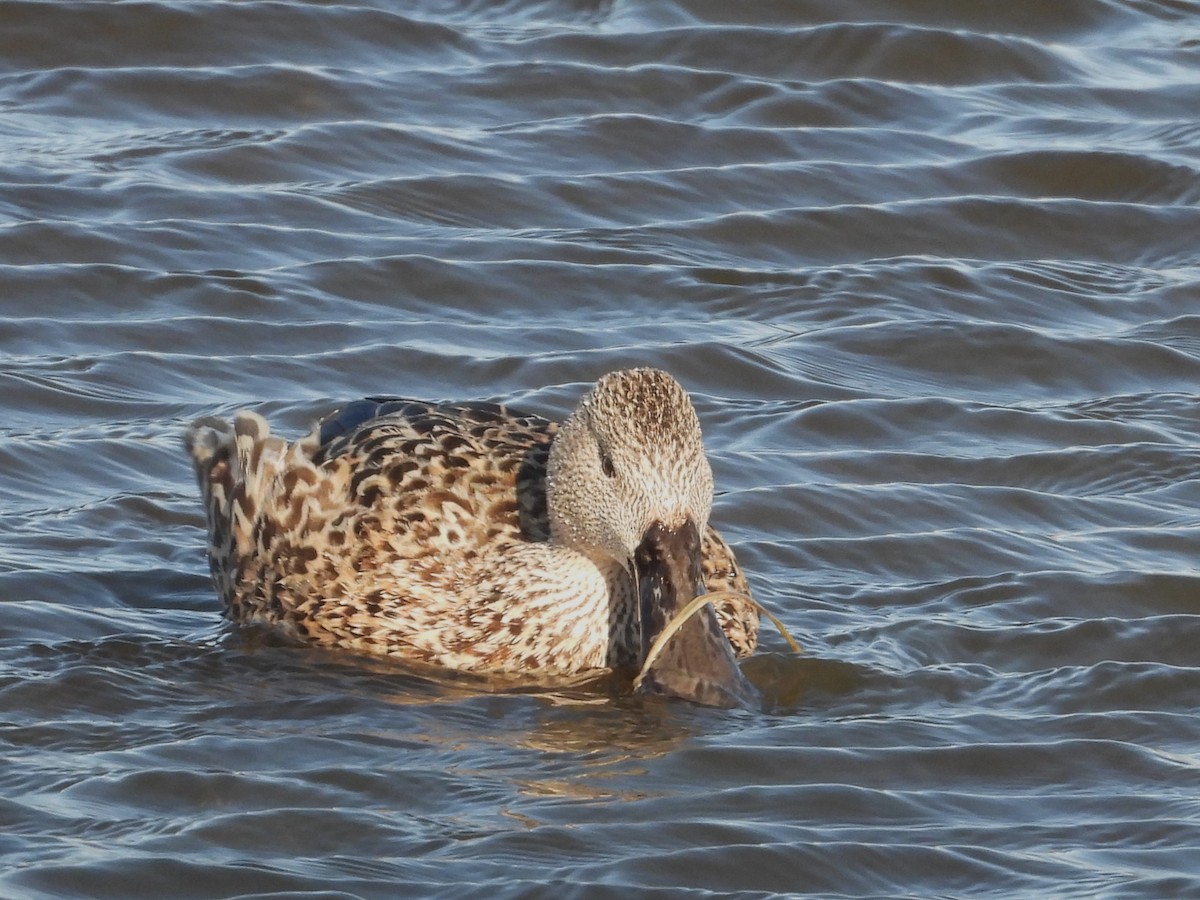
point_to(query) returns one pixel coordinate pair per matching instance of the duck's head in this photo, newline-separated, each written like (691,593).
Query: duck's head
(628,480)
(629,465)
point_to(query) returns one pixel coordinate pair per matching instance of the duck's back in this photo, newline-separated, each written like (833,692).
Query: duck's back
(445,475)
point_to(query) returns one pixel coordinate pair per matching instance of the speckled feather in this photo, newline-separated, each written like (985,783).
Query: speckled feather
(422,531)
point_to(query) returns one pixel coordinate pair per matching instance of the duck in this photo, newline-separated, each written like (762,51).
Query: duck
(474,537)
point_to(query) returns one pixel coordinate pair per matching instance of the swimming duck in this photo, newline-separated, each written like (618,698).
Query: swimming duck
(475,537)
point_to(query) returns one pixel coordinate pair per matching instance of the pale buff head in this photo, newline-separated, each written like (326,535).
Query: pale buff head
(629,456)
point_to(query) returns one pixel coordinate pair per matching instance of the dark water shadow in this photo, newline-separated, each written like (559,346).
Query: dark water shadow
(789,683)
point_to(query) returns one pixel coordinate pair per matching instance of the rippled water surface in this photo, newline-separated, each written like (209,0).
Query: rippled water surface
(931,270)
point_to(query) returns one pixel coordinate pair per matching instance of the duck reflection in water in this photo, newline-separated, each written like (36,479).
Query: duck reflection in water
(476,538)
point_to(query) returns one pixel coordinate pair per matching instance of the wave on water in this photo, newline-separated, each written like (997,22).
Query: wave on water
(930,273)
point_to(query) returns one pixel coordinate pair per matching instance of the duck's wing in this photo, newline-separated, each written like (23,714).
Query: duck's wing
(411,454)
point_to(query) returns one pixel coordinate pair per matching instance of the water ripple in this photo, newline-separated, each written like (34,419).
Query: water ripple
(929,271)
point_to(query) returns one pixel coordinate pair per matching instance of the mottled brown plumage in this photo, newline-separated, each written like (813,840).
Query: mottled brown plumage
(468,536)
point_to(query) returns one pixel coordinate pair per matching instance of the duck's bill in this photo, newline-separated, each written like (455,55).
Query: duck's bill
(697,663)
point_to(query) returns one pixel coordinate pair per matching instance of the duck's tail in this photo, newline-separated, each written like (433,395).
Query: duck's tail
(236,464)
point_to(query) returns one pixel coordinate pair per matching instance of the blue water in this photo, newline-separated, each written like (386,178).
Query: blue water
(931,272)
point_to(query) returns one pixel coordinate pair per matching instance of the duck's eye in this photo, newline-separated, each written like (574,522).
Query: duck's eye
(606,465)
